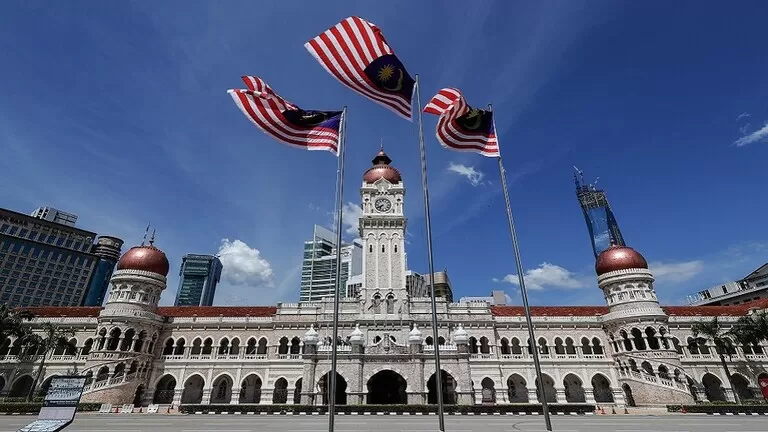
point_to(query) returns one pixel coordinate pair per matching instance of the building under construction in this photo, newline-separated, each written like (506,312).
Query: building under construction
(601,222)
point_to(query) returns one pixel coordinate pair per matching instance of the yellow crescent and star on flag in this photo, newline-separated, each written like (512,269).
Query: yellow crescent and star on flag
(386,73)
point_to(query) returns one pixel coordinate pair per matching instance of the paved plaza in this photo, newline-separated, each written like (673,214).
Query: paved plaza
(210,423)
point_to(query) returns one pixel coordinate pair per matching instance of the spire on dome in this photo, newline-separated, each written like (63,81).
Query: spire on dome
(382,169)
(152,239)
(146,232)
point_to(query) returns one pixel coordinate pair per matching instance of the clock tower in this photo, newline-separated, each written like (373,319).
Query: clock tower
(382,229)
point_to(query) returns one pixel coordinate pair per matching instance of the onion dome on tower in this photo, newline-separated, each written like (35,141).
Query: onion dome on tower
(619,258)
(146,258)
(356,337)
(414,337)
(382,169)
(311,337)
(460,335)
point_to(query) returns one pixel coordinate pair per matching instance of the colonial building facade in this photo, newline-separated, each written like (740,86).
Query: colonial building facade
(631,351)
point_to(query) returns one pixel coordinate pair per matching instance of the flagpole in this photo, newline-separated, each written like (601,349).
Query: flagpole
(435,336)
(521,279)
(340,204)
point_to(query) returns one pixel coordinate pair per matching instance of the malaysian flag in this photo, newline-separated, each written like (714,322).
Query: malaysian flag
(356,53)
(461,127)
(284,121)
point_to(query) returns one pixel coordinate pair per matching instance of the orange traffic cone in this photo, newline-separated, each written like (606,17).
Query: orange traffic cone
(683,410)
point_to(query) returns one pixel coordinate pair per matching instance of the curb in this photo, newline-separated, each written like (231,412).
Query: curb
(379,413)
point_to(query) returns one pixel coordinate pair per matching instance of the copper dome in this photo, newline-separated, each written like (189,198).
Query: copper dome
(619,258)
(147,258)
(382,169)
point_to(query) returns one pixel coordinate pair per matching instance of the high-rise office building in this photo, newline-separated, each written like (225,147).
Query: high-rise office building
(199,276)
(108,250)
(43,263)
(418,285)
(318,269)
(54,215)
(601,223)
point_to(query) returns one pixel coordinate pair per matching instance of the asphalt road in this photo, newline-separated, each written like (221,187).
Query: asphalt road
(246,423)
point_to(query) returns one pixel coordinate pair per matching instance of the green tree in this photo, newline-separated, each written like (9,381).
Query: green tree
(44,342)
(750,330)
(12,322)
(712,330)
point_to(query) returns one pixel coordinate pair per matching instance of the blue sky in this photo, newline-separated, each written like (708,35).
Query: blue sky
(118,112)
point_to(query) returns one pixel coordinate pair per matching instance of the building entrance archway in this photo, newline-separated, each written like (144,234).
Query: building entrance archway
(341,389)
(386,388)
(628,396)
(449,389)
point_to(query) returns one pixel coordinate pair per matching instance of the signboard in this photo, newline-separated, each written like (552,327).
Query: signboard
(65,391)
(59,406)
(763,383)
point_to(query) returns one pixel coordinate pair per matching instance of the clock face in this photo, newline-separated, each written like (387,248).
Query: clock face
(383,204)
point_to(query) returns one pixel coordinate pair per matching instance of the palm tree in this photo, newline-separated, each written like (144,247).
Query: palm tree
(750,330)
(11,321)
(46,341)
(714,331)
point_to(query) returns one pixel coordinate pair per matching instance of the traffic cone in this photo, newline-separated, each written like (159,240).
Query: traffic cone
(602,411)
(613,410)
(626,411)
(140,409)
(683,410)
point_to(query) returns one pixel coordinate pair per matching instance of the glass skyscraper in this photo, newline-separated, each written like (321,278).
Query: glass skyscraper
(43,263)
(318,269)
(601,223)
(199,276)
(108,250)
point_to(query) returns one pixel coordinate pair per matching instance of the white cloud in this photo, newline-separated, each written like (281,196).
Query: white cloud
(547,275)
(744,115)
(758,135)
(676,272)
(244,265)
(472,175)
(350,218)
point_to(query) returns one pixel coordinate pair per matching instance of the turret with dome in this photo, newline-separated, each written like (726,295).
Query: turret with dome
(619,258)
(382,169)
(146,258)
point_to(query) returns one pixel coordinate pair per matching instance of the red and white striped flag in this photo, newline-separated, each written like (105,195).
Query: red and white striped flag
(284,121)
(355,52)
(461,127)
